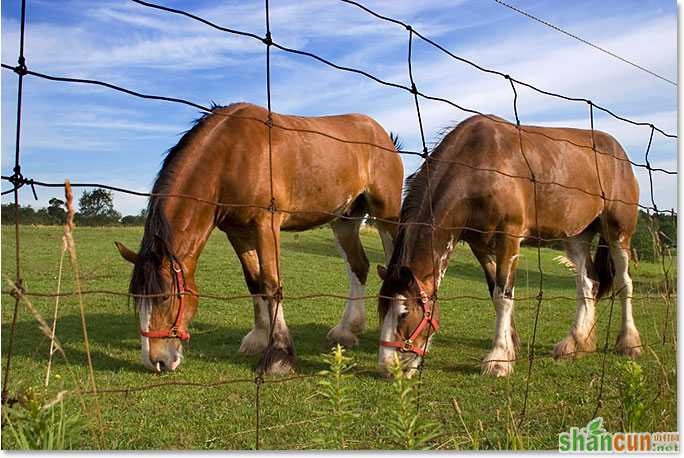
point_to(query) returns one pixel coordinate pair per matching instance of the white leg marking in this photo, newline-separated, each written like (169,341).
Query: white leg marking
(353,322)
(499,362)
(256,340)
(629,341)
(281,334)
(280,324)
(582,336)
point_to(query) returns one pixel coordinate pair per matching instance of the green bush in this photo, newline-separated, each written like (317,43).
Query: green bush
(633,396)
(406,428)
(33,424)
(338,407)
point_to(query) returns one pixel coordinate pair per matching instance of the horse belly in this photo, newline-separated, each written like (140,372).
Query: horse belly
(330,207)
(566,215)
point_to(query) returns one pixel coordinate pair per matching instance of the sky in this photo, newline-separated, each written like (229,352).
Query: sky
(90,134)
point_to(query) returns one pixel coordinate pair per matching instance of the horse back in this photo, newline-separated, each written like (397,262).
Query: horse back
(316,164)
(549,181)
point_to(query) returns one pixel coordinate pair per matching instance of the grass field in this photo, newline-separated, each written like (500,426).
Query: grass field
(562,394)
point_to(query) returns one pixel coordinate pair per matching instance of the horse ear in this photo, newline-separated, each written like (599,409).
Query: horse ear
(382,272)
(129,255)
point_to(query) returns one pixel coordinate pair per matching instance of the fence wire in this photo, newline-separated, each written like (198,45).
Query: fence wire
(17,180)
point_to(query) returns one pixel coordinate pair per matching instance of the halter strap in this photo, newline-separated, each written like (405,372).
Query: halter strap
(409,345)
(176,331)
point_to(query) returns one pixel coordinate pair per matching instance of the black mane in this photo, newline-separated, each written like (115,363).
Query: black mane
(157,238)
(414,200)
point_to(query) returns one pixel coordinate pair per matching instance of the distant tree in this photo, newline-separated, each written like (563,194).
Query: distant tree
(56,211)
(98,202)
(7,214)
(27,215)
(652,231)
(135,220)
(96,208)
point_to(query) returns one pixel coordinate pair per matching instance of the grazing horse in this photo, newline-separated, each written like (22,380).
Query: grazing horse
(480,183)
(325,170)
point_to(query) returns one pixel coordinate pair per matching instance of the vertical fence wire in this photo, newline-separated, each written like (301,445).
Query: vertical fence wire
(426,157)
(540,293)
(599,396)
(666,284)
(273,316)
(18,287)
(659,249)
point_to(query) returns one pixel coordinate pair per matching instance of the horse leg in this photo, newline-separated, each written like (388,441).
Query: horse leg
(381,205)
(487,260)
(279,356)
(353,321)
(387,233)
(499,362)
(582,336)
(256,340)
(628,341)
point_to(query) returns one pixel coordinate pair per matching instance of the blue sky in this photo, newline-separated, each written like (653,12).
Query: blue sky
(90,134)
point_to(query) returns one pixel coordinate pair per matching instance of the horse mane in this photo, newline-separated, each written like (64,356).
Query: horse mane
(157,237)
(416,188)
(396,141)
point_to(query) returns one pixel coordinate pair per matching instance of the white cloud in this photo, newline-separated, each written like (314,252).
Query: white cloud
(122,41)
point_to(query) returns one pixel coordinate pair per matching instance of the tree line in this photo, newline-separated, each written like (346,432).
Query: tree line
(96,208)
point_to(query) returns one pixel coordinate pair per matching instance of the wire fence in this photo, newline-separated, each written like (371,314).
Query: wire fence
(90,390)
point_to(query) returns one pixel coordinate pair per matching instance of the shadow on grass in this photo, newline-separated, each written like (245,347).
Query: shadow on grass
(115,345)
(324,247)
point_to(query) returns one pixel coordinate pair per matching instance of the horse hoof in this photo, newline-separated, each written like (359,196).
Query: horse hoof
(629,343)
(566,348)
(342,336)
(276,361)
(498,364)
(572,348)
(497,369)
(254,342)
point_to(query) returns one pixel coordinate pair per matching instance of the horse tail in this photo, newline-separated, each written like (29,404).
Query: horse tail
(604,267)
(398,145)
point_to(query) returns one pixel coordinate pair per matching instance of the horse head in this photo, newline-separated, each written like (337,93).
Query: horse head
(408,318)
(166,301)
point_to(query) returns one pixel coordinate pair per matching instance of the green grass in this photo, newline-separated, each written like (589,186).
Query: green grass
(562,394)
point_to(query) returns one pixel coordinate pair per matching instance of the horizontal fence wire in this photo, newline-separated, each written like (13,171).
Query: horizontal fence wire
(105,292)
(267,207)
(17,180)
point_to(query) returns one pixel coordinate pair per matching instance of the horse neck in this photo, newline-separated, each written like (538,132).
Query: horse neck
(189,209)
(426,253)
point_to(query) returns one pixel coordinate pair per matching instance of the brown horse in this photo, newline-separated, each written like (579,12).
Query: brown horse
(482,191)
(323,170)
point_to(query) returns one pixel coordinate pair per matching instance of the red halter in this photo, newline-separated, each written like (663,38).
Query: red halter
(176,331)
(408,345)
